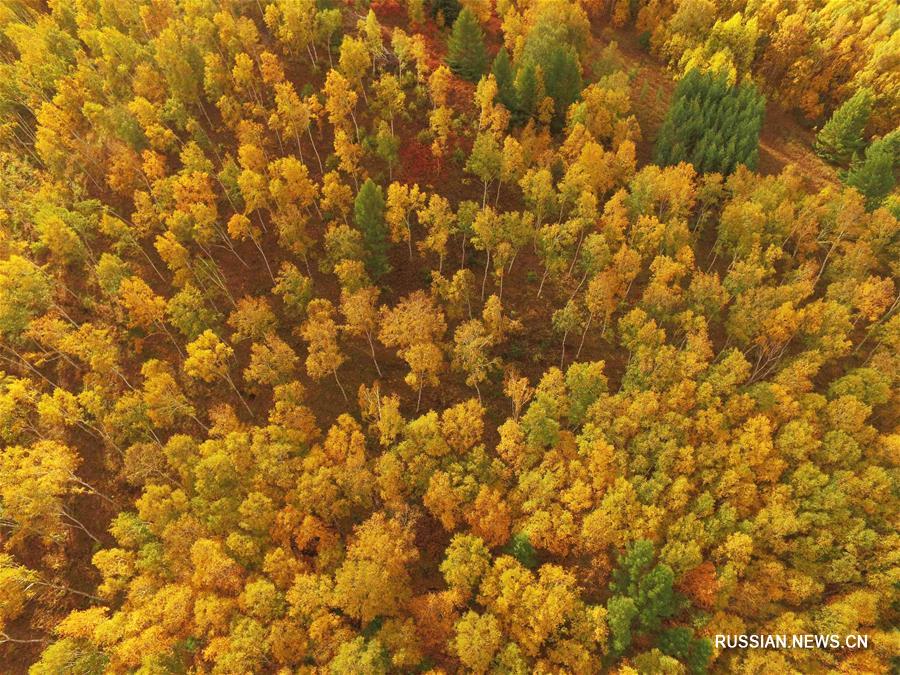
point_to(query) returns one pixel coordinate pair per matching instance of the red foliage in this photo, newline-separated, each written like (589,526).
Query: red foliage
(388,11)
(494,34)
(417,164)
(461,93)
(435,43)
(700,585)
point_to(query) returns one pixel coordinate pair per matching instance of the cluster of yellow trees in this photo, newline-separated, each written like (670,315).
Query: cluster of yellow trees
(315,357)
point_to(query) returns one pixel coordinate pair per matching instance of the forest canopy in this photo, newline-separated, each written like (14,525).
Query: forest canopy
(438,336)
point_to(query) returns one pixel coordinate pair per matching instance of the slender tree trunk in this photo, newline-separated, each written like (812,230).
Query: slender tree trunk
(372,349)
(315,150)
(90,488)
(562,358)
(297,139)
(583,335)
(487,265)
(337,379)
(171,339)
(577,250)
(226,240)
(872,327)
(265,260)
(580,284)
(543,279)
(20,641)
(419,399)
(825,261)
(78,524)
(144,253)
(60,587)
(409,239)
(355,126)
(238,393)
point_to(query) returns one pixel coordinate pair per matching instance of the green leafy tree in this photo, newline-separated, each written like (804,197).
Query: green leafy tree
(24,293)
(642,595)
(681,643)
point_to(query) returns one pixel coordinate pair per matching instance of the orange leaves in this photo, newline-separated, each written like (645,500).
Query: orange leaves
(374,579)
(143,307)
(320,332)
(701,585)
(478,637)
(339,99)
(489,517)
(207,357)
(414,326)
(213,569)
(34,483)
(443,501)
(462,425)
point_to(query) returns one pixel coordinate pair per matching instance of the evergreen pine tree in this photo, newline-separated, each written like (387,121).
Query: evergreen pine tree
(526,93)
(680,643)
(562,81)
(447,9)
(711,124)
(842,135)
(466,54)
(875,175)
(503,73)
(368,214)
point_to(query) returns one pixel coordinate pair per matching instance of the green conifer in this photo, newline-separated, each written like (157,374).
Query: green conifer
(503,73)
(526,93)
(711,124)
(368,214)
(562,82)
(875,175)
(466,54)
(445,11)
(842,135)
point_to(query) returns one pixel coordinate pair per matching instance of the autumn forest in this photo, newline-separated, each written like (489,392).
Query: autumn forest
(448,336)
